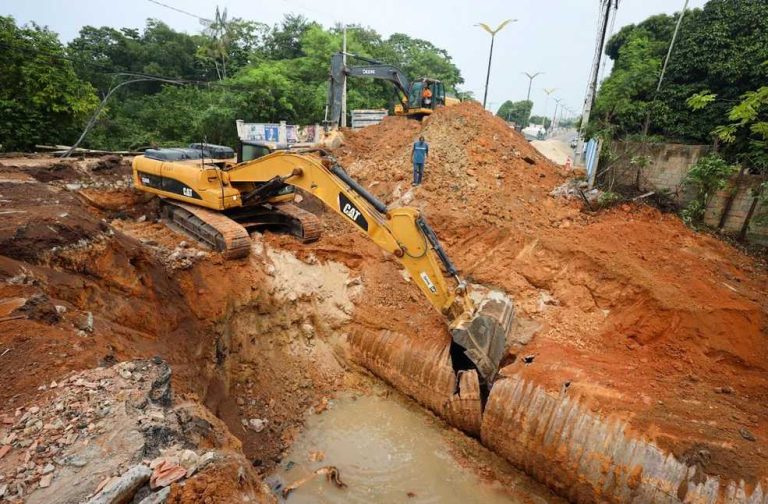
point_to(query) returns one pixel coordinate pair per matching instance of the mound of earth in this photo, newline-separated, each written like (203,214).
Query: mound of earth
(643,318)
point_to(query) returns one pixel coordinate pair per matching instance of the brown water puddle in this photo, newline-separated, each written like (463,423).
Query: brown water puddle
(388,449)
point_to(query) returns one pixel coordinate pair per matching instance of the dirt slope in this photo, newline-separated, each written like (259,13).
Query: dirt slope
(640,316)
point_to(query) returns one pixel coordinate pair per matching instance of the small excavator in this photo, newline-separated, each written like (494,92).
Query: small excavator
(217,198)
(410,93)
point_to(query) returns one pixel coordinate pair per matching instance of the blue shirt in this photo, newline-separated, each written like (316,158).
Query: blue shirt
(420,151)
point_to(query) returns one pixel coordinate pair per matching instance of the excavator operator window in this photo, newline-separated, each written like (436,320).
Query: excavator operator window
(438,93)
(414,100)
(249,152)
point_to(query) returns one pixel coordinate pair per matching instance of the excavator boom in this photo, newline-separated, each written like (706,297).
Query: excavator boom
(478,326)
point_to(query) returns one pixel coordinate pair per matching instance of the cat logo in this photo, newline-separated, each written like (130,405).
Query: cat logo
(428,283)
(351,212)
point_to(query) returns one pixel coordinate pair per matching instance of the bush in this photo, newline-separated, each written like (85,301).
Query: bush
(709,175)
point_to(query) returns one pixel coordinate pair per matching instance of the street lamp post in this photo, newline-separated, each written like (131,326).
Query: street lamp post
(554,117)
(548,92)
(530,81)
(490,54)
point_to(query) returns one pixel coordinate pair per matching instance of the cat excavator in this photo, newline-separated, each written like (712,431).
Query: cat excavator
(217,197)
(410,92)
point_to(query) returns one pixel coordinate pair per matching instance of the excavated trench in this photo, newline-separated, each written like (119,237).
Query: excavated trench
(282,333)
(291,329)
(551,437)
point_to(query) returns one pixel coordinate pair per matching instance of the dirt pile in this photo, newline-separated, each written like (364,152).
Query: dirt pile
(639,317)
(478,168)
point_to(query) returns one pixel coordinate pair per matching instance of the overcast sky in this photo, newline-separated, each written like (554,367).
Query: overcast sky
(552,36)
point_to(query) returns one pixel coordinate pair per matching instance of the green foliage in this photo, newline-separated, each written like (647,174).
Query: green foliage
(748,126)
(41,97)
(709,175)
(518,111)
(701,100)
(546,121)
(626,95)
(608,199)
(719,51)
(420,58)
(255,73)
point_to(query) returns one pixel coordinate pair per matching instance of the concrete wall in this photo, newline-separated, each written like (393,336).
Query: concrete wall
(656,167)
(662,168)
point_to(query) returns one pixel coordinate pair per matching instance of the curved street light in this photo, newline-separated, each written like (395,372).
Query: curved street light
(530,81)
(490,55)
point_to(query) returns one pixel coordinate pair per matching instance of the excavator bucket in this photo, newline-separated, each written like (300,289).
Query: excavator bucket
(483,333)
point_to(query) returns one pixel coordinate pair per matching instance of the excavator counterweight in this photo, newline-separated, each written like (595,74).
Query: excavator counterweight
(216,200)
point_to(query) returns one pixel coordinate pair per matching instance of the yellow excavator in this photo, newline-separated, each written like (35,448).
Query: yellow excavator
(218,197)
(412,102)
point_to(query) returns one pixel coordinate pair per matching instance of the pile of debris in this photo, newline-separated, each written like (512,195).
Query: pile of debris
(103,434)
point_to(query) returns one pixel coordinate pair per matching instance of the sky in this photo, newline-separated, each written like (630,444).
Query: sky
(556,37)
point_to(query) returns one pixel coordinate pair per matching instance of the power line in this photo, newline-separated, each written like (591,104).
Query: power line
(200,18)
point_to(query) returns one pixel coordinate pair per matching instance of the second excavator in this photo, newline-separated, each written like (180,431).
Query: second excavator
(212,196)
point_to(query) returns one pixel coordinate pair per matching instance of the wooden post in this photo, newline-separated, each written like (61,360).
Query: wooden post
(731,197)
(748,218)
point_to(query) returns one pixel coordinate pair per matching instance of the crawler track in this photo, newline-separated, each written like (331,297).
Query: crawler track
(213,228)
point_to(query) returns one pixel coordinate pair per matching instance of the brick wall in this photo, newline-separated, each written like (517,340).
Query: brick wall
(662,168)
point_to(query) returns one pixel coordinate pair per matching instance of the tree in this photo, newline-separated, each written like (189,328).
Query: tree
(284,42)
(546,121)
(746,132)
(517,112)
(719,50)
(626,95)
(41,97)
(420,58)
(229,44)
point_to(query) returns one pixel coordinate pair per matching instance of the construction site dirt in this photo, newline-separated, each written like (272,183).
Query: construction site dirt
(638,367)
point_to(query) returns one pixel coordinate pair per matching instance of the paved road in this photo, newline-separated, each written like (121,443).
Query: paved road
(557,148)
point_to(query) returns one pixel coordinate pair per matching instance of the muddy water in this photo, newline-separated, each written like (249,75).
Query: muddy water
(390,450)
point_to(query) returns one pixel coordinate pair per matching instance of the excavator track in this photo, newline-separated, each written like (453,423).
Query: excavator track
(304,225)
(212,228)
(285,217)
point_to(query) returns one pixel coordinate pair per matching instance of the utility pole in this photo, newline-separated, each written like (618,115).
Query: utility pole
(490,54)
(647,124)
(344,88)
(605,16)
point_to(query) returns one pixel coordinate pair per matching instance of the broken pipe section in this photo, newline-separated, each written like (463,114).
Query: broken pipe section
(552,437)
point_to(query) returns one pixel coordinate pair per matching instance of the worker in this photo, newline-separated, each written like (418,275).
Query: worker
(419,155)
(426,96)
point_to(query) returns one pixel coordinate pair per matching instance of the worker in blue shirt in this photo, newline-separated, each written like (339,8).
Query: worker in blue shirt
(419,155)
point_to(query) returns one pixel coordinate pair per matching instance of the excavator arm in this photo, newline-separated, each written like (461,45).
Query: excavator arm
(398,231)
(373,70)
(479,327)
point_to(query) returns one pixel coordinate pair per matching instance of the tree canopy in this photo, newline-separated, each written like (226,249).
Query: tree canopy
(517,112)
(233,69)
(41,96)
(719,53)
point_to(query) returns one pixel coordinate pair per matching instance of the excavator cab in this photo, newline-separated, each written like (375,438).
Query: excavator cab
(418,102)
